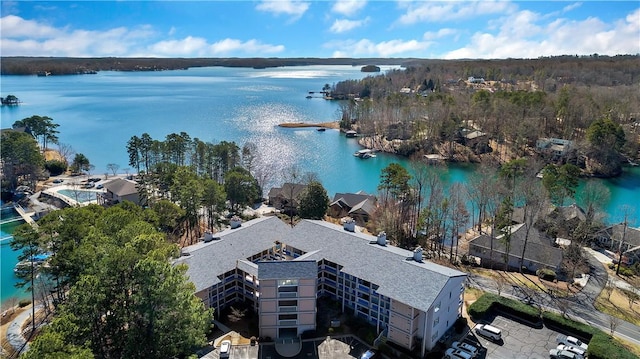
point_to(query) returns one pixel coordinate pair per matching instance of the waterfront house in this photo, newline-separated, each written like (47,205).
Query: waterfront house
(281,271)
(553,146)
(287,197)
(621,238)
(359,206)
(539,253)
(118,190)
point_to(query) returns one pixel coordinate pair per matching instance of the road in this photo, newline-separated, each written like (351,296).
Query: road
(580,306)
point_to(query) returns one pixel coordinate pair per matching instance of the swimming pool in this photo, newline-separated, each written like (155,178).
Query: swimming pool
(79,195)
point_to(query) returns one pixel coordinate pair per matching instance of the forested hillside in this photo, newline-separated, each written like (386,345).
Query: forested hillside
(499,109)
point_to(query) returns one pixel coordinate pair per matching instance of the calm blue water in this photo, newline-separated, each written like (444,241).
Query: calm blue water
(98,114)
(8,257)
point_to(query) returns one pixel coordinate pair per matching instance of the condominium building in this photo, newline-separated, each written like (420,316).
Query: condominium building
(282,270)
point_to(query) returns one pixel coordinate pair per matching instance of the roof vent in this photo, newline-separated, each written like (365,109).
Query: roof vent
(382,238)
(349,224)
(235,222)
(417,254)
(208,236)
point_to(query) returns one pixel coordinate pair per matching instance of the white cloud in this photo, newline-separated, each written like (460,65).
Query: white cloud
(29,38)
(368,48)
(344,25)
(348,7)
(16,27)
(172,31)
(444,32)
(251,47)
(189,46)
(571,7)
(22,37)
(288,7)
(199,47)
(453,10)
(524,35)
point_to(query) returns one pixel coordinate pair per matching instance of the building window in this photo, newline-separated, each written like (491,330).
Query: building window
(287,282)
(436,321)
(437,308)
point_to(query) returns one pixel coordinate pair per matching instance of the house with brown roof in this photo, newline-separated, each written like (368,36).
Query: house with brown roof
(119,190)
(287,197)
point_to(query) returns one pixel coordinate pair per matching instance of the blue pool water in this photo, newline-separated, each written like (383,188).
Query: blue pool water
(79,195)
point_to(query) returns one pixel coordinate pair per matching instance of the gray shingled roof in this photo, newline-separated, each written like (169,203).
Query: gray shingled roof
(393,269)
(539,247)
(207,261)
(121,187)
(395,272)
(287,269)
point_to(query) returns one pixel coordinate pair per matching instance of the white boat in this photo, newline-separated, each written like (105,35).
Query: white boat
(365,153)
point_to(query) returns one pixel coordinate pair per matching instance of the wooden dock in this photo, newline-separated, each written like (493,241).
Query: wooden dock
(27,217)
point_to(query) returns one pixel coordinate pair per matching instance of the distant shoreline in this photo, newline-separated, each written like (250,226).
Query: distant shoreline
(331,125)
(52,66)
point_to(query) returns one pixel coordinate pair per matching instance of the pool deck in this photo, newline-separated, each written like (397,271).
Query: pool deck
(53,192)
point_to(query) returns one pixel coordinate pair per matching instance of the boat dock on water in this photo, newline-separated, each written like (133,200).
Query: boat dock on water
(365,153)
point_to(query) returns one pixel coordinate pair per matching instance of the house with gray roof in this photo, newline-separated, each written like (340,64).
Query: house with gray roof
(281,270)
(621,237)
(119,190)
(359,206)
(539,252)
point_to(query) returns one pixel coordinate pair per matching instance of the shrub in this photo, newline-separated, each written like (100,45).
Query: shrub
(626,271)
(546,274)
(55,167)
(23,303)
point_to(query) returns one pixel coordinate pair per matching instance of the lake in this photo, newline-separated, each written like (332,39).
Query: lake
(99,113)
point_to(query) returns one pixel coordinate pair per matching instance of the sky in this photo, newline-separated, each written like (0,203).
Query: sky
(453,29)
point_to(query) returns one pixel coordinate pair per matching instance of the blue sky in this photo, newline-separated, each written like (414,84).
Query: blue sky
(345,28)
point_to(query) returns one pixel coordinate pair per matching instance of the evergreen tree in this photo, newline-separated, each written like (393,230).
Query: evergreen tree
(313,201)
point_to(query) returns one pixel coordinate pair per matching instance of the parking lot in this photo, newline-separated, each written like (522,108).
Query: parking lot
(518,341)
(346,347)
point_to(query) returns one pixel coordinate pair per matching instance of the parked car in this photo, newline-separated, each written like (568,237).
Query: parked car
(452,353)
(489,332)
(89,185)
(570,348)
(573,341)
(562,354)
(100,186)
(225,348)
(465,347)
(58,180)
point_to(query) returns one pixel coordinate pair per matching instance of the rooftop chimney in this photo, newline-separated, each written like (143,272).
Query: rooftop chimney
(382,238)
(235,222)
(417,254)
(349,224)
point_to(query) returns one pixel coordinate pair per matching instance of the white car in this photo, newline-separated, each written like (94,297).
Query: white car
(570,348)
(562,354)
(465,347)
(489,331)
(573,341)
(225,348)
(452,353)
